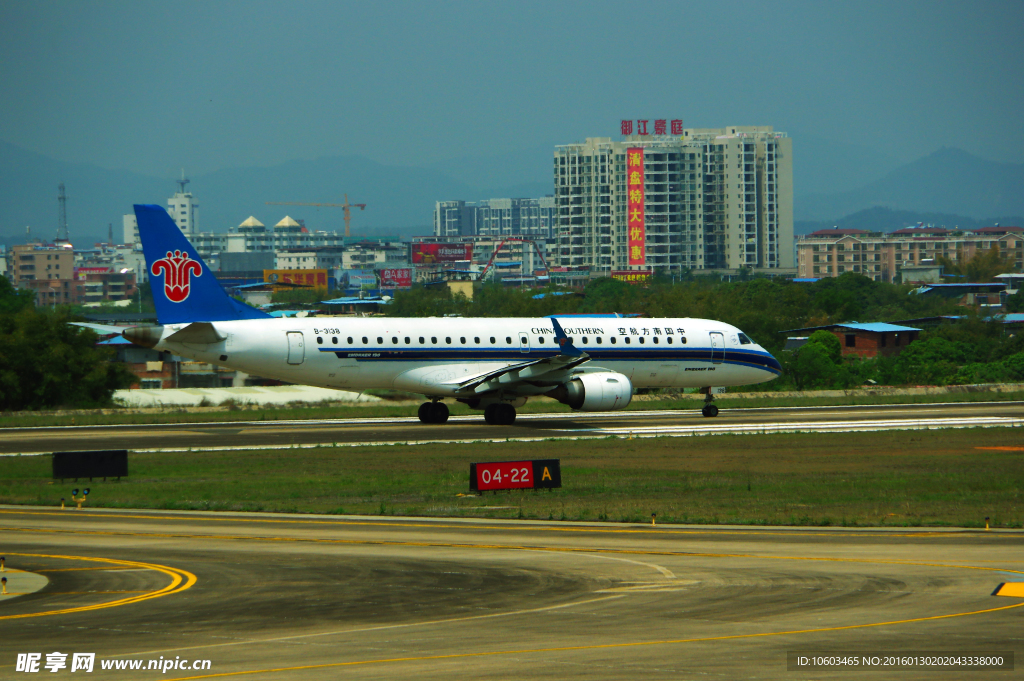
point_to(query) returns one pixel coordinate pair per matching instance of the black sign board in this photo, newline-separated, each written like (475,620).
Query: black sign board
(104,463)
(496,475)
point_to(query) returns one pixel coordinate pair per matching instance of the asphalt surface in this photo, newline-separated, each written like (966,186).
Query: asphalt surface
(306,597)
(528,426)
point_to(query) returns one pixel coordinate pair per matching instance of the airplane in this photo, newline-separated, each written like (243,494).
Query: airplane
(589,362)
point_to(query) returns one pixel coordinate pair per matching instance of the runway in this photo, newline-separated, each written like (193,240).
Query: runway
(311,597)
(355,432)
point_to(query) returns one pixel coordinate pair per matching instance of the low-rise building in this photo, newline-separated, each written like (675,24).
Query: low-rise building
(863,340)
(882,256)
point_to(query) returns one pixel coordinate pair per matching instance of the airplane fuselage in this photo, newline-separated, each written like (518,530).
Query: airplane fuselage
(430,355)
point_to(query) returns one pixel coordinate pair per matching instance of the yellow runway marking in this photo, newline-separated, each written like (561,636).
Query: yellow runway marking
(600,646)
(180,580)
(544,528)
(497,547)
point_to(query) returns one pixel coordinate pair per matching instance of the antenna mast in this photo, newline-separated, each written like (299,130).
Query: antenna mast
(62,218)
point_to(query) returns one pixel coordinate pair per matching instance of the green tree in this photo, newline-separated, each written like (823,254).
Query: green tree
(44,362)
(12,300)
(981,268)
(829,343)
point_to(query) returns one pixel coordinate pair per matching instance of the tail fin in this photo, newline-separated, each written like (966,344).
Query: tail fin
(184,288)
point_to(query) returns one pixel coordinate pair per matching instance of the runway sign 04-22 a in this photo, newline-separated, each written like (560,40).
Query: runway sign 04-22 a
(515,475)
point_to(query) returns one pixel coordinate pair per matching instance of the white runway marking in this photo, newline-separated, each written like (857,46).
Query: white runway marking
(686,430)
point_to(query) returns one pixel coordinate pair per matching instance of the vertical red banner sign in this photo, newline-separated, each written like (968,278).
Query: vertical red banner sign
(635,205)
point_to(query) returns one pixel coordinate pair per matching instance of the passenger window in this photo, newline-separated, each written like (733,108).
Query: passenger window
(408,340)
(523,340)
(334,339)
(492,340)
(422,342)
(626,339)
(380,340)
(655,340)
(614,341)
(448,340)
(463,340)
(350,340)
(683,340)
(365,341)
(476,339)
(508,339)
(642,340)
(669,340)
(433,339)
(319,340)
(541,340)
(600,340)
(585,341)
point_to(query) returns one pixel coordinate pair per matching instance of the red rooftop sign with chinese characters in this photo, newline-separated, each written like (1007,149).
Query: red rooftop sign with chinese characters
(660,126)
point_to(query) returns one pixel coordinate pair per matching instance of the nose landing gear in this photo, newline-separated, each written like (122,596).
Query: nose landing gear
(433,412)
(710,409)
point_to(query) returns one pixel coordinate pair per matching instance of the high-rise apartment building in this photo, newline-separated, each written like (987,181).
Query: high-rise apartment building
(708,199)
(182,209)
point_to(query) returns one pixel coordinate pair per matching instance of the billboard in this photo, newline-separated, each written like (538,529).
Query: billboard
(396,278)
(632,276)
(308,278)
(425,254)
(635,205)
(361,279)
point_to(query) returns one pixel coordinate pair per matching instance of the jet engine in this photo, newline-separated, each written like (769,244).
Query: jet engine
(598,391)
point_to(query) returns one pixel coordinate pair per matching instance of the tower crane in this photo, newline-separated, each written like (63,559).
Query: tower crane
(514,239)
(347,206)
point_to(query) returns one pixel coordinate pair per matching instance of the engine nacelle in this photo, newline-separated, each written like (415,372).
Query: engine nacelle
(599,391)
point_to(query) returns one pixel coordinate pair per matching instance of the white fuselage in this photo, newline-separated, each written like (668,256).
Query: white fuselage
(426,355)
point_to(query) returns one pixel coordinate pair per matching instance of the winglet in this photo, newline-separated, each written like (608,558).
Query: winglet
(184,288)
(565,345)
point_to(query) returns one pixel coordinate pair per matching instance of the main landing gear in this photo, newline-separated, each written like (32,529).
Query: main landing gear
(433,412)
(500,414)
(710,409)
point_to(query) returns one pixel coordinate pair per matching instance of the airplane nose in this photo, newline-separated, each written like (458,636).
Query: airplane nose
(146,336)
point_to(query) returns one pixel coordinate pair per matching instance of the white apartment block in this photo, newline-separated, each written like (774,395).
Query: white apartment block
(713,199)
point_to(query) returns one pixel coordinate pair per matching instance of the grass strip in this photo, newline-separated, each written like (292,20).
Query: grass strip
(384,409)
(889,478)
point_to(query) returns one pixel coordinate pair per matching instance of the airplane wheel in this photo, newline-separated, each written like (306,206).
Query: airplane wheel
(709,410)
(506,414)
(500,414)
(433,412)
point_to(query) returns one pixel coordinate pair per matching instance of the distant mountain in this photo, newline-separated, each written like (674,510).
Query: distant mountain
(947,181)
(879,219)
(400,200)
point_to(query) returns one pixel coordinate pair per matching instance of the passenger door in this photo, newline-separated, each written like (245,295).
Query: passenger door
(296,347)
(717,347)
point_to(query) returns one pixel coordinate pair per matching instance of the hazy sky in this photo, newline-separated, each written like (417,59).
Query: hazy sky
(153,87)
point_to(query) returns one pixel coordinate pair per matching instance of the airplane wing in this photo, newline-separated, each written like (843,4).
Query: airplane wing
(532,371)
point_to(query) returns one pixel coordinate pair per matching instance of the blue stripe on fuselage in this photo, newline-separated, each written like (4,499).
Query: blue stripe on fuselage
(756,360)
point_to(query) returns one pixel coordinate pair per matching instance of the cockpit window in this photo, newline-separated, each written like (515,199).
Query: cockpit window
(744,340)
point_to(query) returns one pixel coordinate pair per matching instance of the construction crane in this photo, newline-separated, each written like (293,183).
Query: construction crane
(347,206)
(515,239)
